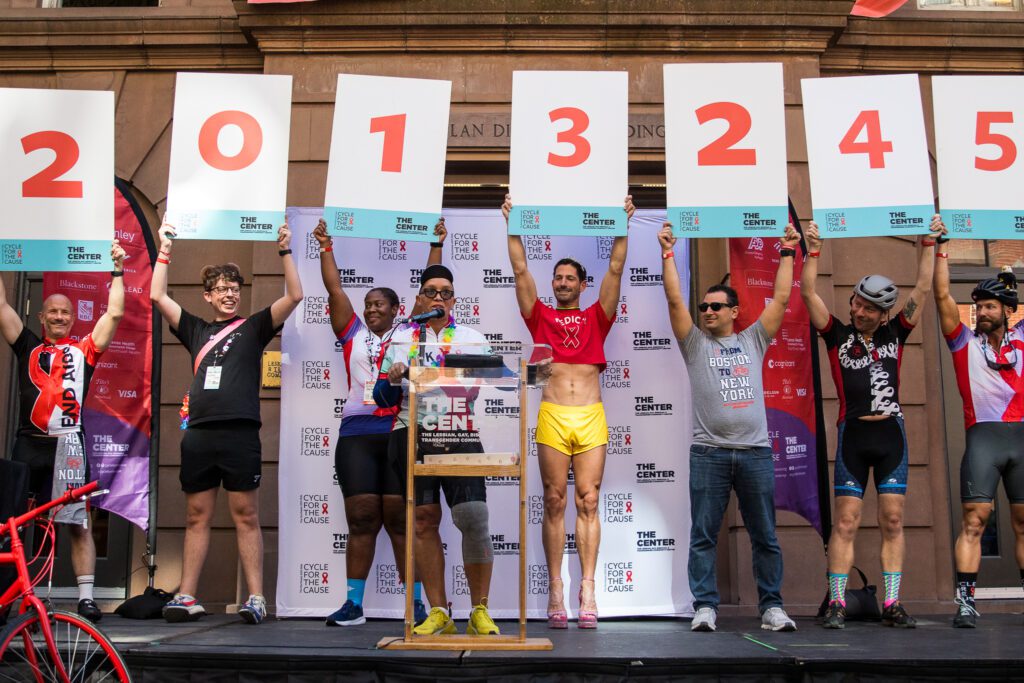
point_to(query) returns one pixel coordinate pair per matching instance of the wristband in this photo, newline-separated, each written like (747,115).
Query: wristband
(927,243)
(813,254)
(117,273)
(324,250)
(667,254)
(941,255)
(786,251)
(284,252)
(165,253)
(164,261)
(436,245)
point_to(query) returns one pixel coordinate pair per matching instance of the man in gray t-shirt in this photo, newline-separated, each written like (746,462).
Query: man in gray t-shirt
(731,449)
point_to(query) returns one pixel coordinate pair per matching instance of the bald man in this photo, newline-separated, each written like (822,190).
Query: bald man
(53,377)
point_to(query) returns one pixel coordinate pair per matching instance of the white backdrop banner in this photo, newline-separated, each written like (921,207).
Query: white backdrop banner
(645,508)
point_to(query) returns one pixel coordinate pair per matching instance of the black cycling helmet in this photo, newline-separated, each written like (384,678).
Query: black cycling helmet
(1002,287)
(878,290)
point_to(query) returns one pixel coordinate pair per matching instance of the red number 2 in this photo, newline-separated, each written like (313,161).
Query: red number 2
(46,183)
(721,152)
(874,146)
(393,128)
(984,136)
(573,136)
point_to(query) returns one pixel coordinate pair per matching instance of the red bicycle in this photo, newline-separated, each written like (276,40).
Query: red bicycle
(41,644)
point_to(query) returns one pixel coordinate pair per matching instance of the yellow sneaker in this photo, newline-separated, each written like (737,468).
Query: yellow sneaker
(480,622)
(438,622)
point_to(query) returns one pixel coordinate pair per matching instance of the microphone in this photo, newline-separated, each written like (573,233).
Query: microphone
(429,315)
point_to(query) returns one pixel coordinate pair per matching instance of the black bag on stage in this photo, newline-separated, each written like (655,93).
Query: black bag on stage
(861,603)
(149,605)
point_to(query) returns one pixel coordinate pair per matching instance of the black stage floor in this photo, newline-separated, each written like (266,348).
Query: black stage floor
(221,648)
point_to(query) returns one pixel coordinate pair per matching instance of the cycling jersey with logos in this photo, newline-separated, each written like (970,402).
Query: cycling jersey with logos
(53,378)
(989,395)
(575,335)
(361,349)
(867,372)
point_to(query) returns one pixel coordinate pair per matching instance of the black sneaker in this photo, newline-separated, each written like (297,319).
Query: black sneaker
(90,610)
(835,615)
(966,616)
(895,615)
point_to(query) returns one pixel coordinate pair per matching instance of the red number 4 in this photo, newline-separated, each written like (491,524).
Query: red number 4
(873,145)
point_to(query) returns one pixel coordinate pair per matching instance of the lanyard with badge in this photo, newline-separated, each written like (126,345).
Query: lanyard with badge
(373,345)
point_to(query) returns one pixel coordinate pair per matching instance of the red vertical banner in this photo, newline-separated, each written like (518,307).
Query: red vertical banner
(118,411)
(788,374)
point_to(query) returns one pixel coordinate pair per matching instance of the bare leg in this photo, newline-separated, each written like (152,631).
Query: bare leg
(588,468)
(844,532)
(554,474)
(890,522)
(393,512)
(83,550)
(429,554)
(199,512)
(363,514)
(244,506)
(968,543)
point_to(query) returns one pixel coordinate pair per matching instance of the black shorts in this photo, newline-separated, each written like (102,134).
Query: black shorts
(864,445)
(221,452)
(38,453)
(428,489)
(362,466)
(994,450)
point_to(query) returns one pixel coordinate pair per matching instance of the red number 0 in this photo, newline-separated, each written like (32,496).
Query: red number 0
(984,136)
(45,183)
(720,152)
(874,146)
(252,140)
(393,128)
(573,136)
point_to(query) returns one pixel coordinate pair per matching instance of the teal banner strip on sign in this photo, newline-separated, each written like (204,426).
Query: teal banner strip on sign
(379,224)
(258,226)
(574,221)
(874,221)
(728,221)
(984,224)
(55,255)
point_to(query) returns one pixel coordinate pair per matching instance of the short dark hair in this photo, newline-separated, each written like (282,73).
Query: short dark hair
(581,272)
(229,272)
(387,293)
(731,297)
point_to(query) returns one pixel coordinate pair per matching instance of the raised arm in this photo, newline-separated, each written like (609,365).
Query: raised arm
(338,303)
(949,314)
(925,270)
(678,315)
(433,258)
(167,306)
(771,316)
(106,326)
(283,307)
(611,283)
(10,322)
(809,279)
(526,288)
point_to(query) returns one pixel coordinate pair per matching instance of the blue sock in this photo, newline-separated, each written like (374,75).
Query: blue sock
(356,588)
(417,591)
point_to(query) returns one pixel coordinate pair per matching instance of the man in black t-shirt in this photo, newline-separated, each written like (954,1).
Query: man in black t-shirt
(221,417)
(865,358)
(53,377)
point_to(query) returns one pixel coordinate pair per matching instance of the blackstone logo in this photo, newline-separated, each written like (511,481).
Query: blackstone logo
(535,509)
(538,247)
(496,406)
(495,278)
(620,439)
(392,250)
(315,311)
(316,442)
(647,405)
(537,579)
(616,375)
(570,544)
(644,340)
(388,581)
(618,577)
(350,278)
(316,374)
(460,584)
(617,508)
(502,547)
(339,543)
(648,473)
(642,277)
(648,542)
(467,310)
(314,508)
(465,246)
(314,578)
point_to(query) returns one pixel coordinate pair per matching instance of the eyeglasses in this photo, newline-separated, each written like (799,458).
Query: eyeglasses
(221,290)
(992,361)
(432,293)
(715,306)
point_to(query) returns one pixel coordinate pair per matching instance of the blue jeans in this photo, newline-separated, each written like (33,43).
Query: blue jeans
(714,472)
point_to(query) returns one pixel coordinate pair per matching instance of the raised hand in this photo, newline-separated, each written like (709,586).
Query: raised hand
(320,233)
(284,236)
(666,239)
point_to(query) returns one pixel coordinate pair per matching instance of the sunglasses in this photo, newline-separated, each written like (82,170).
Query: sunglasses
(993,364)
(715,306)
(432,293)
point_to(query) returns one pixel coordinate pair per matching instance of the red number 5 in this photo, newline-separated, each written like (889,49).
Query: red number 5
(984,136)
(720,152)
(573,136)
(46,183)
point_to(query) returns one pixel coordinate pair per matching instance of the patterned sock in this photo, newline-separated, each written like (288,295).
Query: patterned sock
(892,587)
(417,591)
(965,584)
(85,584)
(356,588)
(837,588)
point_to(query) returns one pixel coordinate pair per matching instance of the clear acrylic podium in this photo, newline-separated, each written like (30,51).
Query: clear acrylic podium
(468,414)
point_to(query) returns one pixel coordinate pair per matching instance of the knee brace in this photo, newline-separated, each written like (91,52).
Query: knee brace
(471,519)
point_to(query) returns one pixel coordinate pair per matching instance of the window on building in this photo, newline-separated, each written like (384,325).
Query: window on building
(991,253)
(995,5)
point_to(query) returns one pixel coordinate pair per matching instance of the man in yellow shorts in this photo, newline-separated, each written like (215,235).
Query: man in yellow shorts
(571,426)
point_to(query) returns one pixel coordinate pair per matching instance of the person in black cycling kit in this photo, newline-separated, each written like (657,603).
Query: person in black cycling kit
(989,361)
(865,359)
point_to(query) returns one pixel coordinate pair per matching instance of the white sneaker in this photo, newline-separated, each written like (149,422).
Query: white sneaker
(704,619)
(776,619)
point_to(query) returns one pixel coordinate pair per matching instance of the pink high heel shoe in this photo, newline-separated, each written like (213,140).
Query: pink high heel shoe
(587,618)
(557,618)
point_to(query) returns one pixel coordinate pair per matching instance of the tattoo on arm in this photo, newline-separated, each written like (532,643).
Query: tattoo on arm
(908,310)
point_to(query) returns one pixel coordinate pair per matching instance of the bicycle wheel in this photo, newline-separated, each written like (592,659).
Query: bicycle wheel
(87,655)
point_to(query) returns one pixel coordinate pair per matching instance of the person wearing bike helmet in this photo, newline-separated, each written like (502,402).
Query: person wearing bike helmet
(865,360)
(989,364)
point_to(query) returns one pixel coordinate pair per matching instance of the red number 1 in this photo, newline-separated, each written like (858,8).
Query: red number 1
(573,136)
(393,128)
(874,146)
(46,183)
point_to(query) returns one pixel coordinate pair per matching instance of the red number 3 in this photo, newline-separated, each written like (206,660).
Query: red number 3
(46,183)
(573,136)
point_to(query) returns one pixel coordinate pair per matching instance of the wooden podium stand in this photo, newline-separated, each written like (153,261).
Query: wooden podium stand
(422,379)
